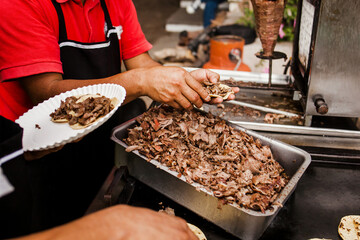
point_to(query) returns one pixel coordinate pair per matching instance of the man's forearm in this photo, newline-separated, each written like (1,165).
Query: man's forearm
(43,86)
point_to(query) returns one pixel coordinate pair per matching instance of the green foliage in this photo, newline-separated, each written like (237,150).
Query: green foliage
(289,20)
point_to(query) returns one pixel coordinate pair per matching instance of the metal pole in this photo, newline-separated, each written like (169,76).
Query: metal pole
(270,72)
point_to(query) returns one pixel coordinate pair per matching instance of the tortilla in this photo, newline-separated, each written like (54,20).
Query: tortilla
(82,98)
(61,120)
(349,227)
(197,232)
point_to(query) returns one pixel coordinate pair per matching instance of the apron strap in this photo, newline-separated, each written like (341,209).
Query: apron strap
(62,27)
(106,14)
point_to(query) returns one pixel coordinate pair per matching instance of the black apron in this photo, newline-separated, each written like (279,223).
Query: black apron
(89,60)
(63,184)
(15,207)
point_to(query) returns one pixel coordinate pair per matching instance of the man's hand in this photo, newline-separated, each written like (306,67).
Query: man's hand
(179,88)
(174,86)
(205,74)
(121,222)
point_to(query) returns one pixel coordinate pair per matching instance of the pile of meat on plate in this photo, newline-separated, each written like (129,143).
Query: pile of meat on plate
(234,166)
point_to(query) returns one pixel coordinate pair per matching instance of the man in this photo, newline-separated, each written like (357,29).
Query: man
(51,46)
(32,31)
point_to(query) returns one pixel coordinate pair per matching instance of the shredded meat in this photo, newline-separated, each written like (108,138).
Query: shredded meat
(272,117)
(83,112)
(236,167)
(218,89)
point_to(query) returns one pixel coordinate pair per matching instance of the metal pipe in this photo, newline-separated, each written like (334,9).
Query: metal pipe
(262,78)
(264,109)
(289,129)
(237,64)
(270,72)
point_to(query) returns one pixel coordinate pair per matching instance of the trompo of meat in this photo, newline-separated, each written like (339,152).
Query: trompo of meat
(269,15)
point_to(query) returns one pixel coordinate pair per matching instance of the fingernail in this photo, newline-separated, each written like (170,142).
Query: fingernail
(207,98)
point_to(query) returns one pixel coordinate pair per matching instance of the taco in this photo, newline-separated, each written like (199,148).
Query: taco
(84,110)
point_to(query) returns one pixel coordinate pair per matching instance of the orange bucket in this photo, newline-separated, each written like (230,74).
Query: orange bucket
(225,51)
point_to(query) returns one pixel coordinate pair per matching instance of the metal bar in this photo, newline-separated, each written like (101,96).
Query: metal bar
(270,72)
(335,162)
(323,155)
(262,78)
(243,86)
(264,109)
(237,64)
(299,129)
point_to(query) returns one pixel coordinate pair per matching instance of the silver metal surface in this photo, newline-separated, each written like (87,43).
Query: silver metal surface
(270,72)
(262,78)
(241,222)
(307,136)
(298,129)
(264,109)
(316,141)
(335,73)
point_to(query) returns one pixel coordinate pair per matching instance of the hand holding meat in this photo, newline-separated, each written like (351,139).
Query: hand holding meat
(179,88)
(229,92)
(121,222)
(219,90)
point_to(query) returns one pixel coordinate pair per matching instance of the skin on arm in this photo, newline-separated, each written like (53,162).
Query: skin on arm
(120,222)
(171,85)
(145,77)
(200,75)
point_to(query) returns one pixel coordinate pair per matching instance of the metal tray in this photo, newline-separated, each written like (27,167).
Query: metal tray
(241,222)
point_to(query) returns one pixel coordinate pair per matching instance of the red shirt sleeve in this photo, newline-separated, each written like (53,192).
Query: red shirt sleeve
(28,42)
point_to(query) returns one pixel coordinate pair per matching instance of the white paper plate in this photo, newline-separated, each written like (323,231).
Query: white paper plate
(49,134)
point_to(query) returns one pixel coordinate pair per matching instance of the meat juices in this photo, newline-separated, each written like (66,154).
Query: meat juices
(231,164)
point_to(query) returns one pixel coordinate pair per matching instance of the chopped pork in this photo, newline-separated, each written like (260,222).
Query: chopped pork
(236,167)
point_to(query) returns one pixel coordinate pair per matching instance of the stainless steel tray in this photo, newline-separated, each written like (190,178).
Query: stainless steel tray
(241,222)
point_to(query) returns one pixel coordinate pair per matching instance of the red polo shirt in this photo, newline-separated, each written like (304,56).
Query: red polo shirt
(29,32)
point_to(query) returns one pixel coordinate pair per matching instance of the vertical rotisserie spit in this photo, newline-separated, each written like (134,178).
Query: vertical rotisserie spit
(268,16)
